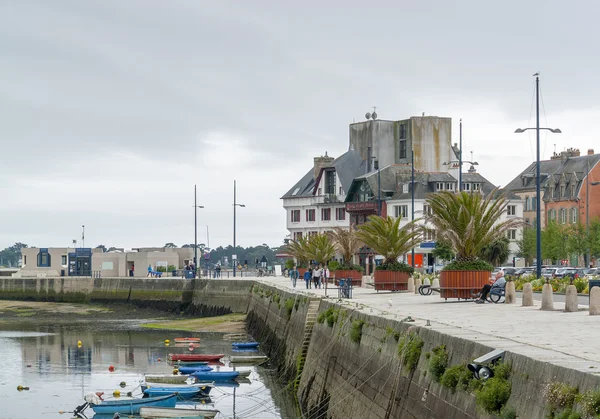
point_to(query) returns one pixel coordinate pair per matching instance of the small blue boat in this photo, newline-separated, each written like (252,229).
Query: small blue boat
(245,344)
(204,388)
(133,406)
(215,375)
(190,370)
(235,349)
(182,392)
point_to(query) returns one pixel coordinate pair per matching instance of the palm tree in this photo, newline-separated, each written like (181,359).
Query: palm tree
(298,249)
(386,238)
(170,245)
(496,252)
(320,248)
(346,242)
(468,221)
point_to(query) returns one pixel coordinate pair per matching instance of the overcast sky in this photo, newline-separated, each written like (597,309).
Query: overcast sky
(111,110)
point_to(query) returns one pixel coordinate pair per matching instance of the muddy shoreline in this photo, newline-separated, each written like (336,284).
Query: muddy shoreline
(47,313)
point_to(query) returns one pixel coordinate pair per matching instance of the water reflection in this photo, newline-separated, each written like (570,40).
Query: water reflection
(59,372)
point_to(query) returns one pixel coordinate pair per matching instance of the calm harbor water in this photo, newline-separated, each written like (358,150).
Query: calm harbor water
(58,373)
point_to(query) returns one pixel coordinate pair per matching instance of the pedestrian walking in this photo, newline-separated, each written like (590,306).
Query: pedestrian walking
(316,274)
(294,275)
(149,270)
(308,277)
(326,275)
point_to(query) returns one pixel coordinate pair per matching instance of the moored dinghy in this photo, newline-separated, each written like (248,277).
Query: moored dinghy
(132,406)
(195,357)
(167,378)
(215,375)
(161,412)
(245,344)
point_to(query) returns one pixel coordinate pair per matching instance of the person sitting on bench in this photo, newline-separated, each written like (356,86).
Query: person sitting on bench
(499,282)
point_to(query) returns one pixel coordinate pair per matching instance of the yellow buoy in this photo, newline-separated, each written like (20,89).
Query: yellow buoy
(79,343)
(21,388)
(167,341)
(175,371)
(116,393)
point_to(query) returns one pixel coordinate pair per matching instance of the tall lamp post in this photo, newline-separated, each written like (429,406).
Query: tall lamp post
(587,213)
(376,164)
(460,160)
(196,206)
(235,204)
(412,199)
(538,230)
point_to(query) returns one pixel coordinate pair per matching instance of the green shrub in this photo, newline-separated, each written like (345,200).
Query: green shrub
(409,349)
(349,267)
(333,265)
(452,376)
(502,370)
(580,284)
(356,331)
(332,318)
(396,267)
(475,265)
(508,412)
(560,395)
(590,402)
(494,394)
(289,306)
(289,264)
(568,414)
(438,362)
(324,315)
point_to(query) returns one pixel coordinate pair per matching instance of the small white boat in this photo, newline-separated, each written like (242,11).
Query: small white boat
(161,412)
(168,378)
(247,359)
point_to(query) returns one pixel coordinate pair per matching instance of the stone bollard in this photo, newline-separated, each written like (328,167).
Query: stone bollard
(595,301)
(411,284)
(527,295)
(571,299)
(426,281)
(417,285)
(435,283)
(547,300)
(510,293)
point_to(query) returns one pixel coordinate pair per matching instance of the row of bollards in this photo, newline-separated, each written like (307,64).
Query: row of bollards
(571,303)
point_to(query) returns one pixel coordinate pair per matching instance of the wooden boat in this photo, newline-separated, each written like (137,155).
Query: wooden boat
(204,388)
(166,378)
(188,363)
(215,375)
(161,412)
(186,340)
(190,370)
(182,392)
(133,406)
(245,344)
(247,359)
(195,357)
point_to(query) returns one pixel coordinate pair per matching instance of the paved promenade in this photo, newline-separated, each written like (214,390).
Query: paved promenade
(571,340)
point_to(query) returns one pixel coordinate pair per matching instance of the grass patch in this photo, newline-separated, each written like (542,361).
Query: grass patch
(289,307)
(455,376)
(560,396)
(198,324)
(409,349)
(356,331)
(495,392)
(438,361)
(590,402)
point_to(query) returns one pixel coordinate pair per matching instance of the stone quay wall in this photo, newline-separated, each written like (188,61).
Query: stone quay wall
(348,365)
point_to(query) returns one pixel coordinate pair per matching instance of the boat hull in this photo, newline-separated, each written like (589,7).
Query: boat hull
(204,388)
(133,406)
(181,392)
(189,370)
(216,375)
(245,344)
(195,357)
(187,340)
(161,412)
(166,379)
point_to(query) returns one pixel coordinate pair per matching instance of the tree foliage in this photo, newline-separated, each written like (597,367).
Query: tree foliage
(443,251)
(387,239)
(527,245)
(346,242)
(468,221)
(496,252)
(320,248)
(11,255)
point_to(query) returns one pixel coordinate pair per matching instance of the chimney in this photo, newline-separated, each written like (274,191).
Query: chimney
(590,151)
(321,162)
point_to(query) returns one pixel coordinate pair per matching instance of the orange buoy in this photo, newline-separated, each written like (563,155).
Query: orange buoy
(111,368)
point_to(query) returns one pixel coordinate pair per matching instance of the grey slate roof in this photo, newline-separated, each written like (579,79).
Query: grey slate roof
(347,166)
(571,171)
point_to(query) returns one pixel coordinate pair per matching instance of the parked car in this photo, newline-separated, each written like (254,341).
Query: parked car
(508,270)
(549,272)
(565,273)
(592,272)
(525,272)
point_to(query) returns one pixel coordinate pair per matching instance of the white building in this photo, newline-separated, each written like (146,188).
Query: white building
(315,204)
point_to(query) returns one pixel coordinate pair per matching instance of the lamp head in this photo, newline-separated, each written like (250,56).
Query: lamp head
(556,131)
(242,205)
(519,131)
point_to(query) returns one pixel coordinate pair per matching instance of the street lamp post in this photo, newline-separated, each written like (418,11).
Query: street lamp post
(196,206)
(538,232)
(412,198)
(587,214)
(235,204)
(460,160)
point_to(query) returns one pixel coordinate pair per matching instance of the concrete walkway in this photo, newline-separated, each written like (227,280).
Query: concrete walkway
(571,340)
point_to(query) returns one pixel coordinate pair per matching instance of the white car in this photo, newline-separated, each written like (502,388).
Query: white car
(592,272)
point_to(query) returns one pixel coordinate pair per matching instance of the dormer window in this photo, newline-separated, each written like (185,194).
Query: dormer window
(466,186)
(449,186)
(573,190)
(551,192)
(476,186)
(562,191)
(439,186)
(405,188)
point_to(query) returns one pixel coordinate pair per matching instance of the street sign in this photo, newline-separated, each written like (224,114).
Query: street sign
(233,257)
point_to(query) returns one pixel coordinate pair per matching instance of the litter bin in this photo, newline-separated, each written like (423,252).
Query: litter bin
(592,283)
(189,274)
(173,273)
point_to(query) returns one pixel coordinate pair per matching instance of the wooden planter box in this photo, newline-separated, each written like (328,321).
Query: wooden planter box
(343,274)
(301,272)
(462,284)
(390,281)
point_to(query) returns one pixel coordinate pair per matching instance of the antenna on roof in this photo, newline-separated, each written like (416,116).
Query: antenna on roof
(374,114)
(423,114)
(471,156)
